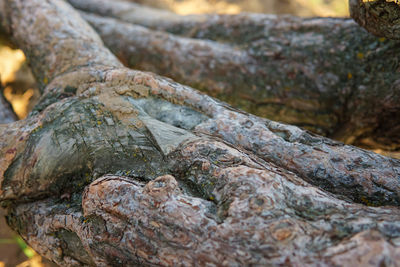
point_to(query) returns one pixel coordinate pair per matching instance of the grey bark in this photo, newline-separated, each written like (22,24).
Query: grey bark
(326,75)
(121,167)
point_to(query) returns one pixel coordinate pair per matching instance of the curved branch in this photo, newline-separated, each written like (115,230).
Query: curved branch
(122,167)
(50,43)
(380,17)
(299,71)
(137,14)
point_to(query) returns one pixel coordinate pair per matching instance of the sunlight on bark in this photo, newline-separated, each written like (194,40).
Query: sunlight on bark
(203,6)
(302,7)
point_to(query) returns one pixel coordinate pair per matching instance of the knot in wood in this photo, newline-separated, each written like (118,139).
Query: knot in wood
(162,187)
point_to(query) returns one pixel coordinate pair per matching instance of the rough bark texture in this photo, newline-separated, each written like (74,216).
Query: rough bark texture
(327,75)
(120,167)
(380,17)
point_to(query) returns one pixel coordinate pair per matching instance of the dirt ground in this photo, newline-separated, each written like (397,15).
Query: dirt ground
(10,254)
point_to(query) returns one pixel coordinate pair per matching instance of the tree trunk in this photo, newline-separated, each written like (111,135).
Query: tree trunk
(326,75)
(121,167)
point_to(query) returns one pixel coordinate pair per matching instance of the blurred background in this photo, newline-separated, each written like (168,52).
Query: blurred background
(21,91)
(295,7)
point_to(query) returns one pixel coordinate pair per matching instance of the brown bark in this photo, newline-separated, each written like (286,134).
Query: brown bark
(121,167)
(326,75)
(380,17)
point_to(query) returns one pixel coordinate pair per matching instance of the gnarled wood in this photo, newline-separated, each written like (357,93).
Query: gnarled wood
(314,73)
(380,17)
(122,167)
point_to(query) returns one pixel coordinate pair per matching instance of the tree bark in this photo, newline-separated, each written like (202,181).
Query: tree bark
(326,75)
(380,17)
(122,167)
